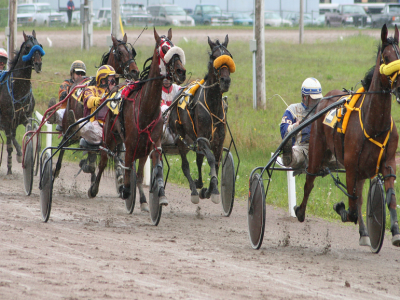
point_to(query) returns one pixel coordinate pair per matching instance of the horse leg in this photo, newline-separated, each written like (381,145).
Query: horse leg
(362,229)
(388,173)
(94,187)
(199,162)
(9,151)
(139,182)
(158,167)
(212,190)
(17,148)
(194,196)
(300,211)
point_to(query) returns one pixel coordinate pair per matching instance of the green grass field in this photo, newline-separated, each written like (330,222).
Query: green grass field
(339,64)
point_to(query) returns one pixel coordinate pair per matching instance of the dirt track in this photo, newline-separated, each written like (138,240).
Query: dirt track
(91,249)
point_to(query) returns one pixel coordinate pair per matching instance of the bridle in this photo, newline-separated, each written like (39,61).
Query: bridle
(391,70)
(125,65)
(217,69)
(166,61)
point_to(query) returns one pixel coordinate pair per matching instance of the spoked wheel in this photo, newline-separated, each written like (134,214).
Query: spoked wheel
(46,192)
(130,202)
(256,211)
(376,214)
(28,166)
(227,182)
(155,207)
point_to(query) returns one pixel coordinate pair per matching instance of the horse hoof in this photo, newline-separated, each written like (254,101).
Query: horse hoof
(202,193)
(19,158)
(300,218)
(195,199)
(163,201)
(144,207)
(338,207)
(124,192)
(91,194)
(364,241)
(396,240)
(215,198)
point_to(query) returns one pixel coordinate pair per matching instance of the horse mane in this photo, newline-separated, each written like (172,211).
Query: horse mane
(366,82)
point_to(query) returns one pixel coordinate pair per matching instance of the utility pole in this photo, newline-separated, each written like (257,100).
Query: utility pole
(85,26)
(11,31)
(115,18)
(259,36)
(301,22)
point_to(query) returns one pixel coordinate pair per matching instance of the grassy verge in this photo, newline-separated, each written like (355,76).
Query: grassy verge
(339,64)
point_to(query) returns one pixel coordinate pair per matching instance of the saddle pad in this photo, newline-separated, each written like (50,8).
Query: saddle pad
(188,93)
(114,105)
(331,118)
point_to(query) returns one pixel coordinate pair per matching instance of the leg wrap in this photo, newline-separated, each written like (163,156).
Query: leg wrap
(394,225)
(389,193)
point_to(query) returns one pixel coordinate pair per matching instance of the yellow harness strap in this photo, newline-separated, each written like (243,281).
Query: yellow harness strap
(382,146)
(349,109)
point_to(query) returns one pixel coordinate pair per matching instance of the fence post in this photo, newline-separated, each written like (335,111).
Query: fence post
(49,127)
(291,183)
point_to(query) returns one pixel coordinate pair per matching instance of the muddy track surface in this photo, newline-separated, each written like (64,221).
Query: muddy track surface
(92,249)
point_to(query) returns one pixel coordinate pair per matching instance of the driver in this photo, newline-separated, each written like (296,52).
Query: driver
(3,59)
(295,152)
(169,92)
(77,73)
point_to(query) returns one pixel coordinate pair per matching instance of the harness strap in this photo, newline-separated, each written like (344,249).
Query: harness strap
(380,145)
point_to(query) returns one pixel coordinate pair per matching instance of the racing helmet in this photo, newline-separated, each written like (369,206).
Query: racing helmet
(103,72)
(311,87)
(77,66)
(3,55)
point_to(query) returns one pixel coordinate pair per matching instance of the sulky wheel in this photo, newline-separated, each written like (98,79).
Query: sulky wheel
(46,187)
(27,168)
(376,214)
(227,182)
(155,207)
(37,149)
(256,211)
(130,202)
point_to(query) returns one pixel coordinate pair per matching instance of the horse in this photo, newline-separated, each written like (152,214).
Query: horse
(16,98)
(369,144)
(139,122)
(203,121)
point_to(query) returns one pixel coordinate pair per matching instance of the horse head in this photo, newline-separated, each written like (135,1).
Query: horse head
(172,58)
(31,51)
(125,57)
(222,63)
(389,61)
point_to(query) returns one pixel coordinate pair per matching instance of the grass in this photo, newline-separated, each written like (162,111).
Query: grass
(338,64)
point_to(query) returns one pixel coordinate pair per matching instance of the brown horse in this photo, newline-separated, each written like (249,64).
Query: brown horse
(16,99)
(357,150)
(204,121)
(139,123)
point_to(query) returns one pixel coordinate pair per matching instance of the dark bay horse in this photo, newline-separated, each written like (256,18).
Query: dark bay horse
(364,153)
(16,98)
(139,123)
(204,121)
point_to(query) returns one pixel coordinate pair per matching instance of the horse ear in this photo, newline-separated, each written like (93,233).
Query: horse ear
(125,39)
(25,37)
(157,37)
(384,34)
(396,34)
(212,45)
(34,34)
(225,44)
(114,40)
(170,34)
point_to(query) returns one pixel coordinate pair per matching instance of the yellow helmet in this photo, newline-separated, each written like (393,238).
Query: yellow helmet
(77,66)
(103,72)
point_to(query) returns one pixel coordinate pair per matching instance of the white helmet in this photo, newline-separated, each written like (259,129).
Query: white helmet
(3,53)
(311,87)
